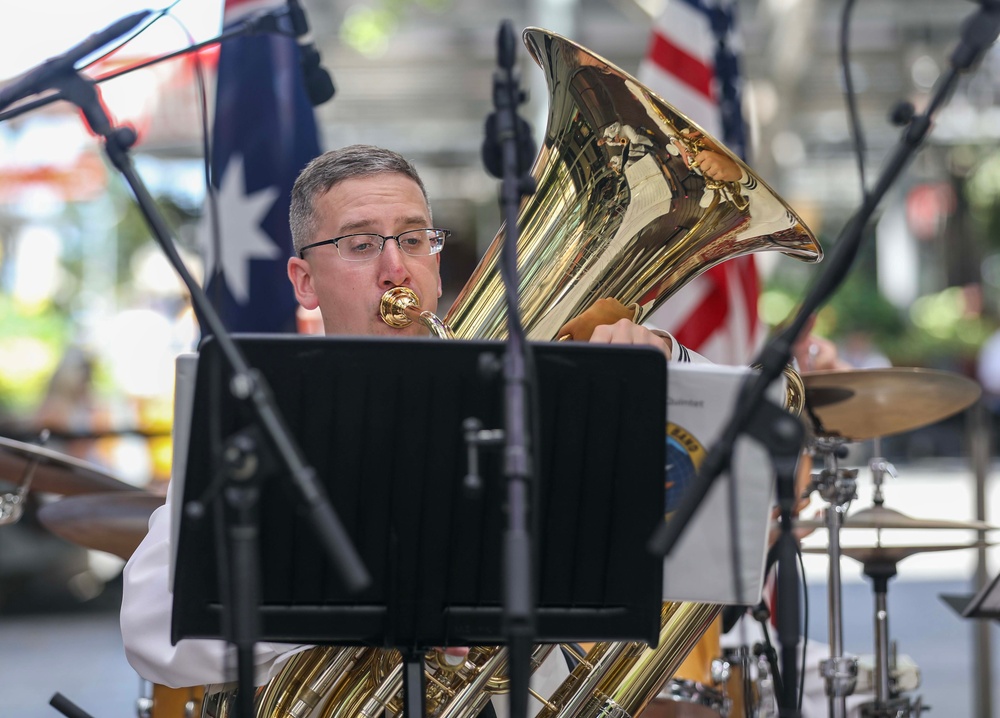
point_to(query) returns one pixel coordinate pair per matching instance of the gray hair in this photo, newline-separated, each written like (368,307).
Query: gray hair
(335,166)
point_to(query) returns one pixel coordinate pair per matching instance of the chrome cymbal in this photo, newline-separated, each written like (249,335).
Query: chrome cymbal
(879,517)
(55,473)
(865,403)
(892,554)
(113,522)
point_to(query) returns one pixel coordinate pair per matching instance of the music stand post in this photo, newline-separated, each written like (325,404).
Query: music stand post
(435,552)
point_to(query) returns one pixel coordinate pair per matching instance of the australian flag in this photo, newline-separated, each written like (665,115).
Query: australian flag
(264,134)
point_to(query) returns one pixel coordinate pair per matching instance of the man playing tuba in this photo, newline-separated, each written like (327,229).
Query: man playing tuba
(361,224)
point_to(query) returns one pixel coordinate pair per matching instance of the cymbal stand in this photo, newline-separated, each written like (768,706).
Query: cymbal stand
(885,704)
(880,571)
(838,487)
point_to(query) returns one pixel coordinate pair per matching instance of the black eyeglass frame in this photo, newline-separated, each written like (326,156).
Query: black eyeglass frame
(435,248)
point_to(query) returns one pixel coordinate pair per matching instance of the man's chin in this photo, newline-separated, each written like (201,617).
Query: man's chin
(413,330)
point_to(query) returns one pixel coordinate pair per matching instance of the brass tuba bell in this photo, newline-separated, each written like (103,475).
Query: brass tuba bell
(621,210)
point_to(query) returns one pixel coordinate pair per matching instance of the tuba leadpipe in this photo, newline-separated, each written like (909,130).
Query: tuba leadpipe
(621,211)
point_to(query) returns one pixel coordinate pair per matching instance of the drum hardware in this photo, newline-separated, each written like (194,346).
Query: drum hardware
(144,703)
(886,704)
(838,487)
(767,688)
(879,467)
(879,564)
(12,503)
(736,691)
(46,471)
(739,690)
(862,404)
(904,673)
(113,522)
(879,517)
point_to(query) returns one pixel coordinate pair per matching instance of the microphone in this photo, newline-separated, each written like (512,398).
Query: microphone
(40,78)
(507,95)
(319,84)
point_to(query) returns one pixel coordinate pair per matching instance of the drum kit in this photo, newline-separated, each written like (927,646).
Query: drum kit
(861,405)
(845,407)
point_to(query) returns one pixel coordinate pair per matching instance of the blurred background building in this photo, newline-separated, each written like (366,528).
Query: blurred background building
(417,76)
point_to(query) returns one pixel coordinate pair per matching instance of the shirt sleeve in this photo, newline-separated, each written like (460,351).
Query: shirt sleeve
(147,604)
(679,352)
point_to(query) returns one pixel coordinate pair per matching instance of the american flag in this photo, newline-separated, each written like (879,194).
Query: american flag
(264,134)
(693,63)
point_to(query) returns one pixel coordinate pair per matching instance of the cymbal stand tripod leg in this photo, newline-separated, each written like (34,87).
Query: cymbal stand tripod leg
(838,487)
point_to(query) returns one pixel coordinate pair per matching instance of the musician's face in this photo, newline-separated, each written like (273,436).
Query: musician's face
(348,293)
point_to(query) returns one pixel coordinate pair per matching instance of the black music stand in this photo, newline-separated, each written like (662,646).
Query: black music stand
(985,604)
(382,423)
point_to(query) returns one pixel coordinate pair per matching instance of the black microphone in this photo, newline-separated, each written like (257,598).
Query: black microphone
(319,84)
(40,78)
(507,95)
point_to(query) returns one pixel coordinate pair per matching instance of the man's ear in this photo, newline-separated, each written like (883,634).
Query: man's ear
(300,275)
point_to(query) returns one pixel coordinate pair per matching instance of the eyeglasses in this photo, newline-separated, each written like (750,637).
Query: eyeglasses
(360,247)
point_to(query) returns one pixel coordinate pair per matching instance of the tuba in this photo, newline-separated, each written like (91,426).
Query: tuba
(621,210)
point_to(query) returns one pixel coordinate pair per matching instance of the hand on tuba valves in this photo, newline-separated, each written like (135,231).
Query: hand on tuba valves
(608,321)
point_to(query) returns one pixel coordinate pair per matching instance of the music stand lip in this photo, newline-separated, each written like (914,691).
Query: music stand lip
(986,603)
(434,554)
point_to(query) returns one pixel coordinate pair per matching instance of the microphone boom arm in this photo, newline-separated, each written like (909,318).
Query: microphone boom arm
(259,23)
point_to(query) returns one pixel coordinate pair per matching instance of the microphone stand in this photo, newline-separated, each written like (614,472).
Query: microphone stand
(508,143)
(245,452)
(979,31)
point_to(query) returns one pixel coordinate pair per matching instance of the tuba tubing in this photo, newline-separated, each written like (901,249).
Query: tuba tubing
(622,210)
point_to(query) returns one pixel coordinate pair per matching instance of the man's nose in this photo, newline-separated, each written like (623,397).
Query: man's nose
(392,263)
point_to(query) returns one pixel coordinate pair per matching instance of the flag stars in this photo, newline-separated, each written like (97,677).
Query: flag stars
(241,237)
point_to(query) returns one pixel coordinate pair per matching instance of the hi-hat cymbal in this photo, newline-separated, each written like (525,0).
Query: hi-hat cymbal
(865,403)
(114,522)
(879,517)
(55,473)
(891,554)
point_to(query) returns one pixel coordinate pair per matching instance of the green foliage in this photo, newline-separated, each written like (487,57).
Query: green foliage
(937,329)
(983,193)
(369,30)
(31,343)
(859,306)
